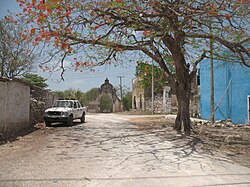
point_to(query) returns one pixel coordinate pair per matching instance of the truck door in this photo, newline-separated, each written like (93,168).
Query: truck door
(79,108)
(76,113)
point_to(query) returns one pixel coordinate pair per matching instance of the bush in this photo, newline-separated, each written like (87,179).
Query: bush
(106,104)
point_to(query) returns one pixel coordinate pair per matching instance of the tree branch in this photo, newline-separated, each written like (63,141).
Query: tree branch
(232,46)
(193,73)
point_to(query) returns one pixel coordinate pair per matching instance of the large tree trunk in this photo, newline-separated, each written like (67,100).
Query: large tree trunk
(183,91)
(182,88)
(181,81)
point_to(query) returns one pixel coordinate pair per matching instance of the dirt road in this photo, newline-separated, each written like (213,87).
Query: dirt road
(107,151)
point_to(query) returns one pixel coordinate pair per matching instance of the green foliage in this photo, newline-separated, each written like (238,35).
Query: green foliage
(92,94)
(35,79)
(106,104)
(71,94)
(84,98)
(144,71)
(60,94)
(127,101)
(78,94)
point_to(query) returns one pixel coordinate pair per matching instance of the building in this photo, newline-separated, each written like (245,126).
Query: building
(231,91)
(164,102)
(138,99)
(107,100)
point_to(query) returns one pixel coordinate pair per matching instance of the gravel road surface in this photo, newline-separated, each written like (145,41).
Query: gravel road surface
(107,151)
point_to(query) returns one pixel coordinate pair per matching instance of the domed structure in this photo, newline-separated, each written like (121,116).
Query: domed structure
(107,101)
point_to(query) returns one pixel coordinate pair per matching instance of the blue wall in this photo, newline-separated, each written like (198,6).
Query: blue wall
(235,104)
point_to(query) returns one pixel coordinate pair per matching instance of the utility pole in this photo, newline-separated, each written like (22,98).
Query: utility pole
(152,93)
(120,77)
(211,83)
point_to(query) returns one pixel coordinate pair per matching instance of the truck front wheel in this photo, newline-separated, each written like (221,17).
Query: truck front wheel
(70,121)
(83,118)
(47,123)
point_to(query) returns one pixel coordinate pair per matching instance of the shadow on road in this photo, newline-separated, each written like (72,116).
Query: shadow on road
(59,125)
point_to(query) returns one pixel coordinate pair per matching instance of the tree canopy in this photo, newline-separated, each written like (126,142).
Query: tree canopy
(84,98)
(174,33)
(144,71)
(35,79)
(127,101)
(72,94)
(17,54)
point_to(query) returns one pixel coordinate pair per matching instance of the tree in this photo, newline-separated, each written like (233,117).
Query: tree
(127,97)
(127,101)
(173,33)
(60,94)
(84,98)
(92,94)
(144,71)
(35,79)
(81,96)
(72,94)
(106,103)
(16,54)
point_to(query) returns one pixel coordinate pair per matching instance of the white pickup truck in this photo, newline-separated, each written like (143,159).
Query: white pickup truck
(65,111)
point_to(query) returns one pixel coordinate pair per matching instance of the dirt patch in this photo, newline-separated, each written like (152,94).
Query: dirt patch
(17,135)
(230,141)
(14,135)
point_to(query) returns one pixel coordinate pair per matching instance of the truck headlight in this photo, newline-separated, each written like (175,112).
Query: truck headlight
(65,113)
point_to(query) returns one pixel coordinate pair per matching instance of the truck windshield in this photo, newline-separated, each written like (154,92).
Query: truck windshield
(68,104)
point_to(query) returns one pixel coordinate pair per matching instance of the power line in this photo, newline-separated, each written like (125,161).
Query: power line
(55,79)
(92,77)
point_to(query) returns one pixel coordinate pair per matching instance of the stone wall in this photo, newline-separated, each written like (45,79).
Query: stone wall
(165,102)
(194,102)
(40,100)
(22,106)
(158,105)
(15,106)
(93,106)
(118,106)
(162,101)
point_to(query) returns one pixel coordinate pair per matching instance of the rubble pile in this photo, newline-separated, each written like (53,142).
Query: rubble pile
(224,131)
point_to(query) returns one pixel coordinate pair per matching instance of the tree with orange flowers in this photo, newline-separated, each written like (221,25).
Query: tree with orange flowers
(173,33)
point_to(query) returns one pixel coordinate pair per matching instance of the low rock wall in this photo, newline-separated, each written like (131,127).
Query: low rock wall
(22,106)
(40,100)
(14,110)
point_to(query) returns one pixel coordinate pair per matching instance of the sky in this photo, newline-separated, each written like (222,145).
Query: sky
(83,81)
